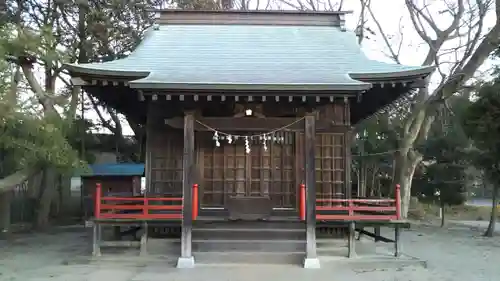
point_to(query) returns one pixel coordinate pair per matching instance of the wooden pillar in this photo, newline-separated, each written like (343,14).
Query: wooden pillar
(397,241)
(351,244)
(348,160)
(186,260)
(96,239)
(347,149)
(311,260)
(376,231)
(143,250)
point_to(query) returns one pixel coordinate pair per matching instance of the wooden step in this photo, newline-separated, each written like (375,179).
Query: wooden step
(233,245)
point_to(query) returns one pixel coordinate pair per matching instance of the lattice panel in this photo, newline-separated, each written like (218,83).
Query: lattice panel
(330,166)
(166,164)
(229,171)
(273,173)
(213,187)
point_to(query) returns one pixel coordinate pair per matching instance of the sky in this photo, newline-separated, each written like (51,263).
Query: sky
(394,19)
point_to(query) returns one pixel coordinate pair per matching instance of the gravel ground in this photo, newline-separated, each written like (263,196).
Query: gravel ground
(457,253)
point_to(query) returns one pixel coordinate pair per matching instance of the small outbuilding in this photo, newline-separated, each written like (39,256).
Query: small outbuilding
(122,179)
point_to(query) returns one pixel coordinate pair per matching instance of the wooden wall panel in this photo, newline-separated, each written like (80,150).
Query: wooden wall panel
(166,163)
(338,113)
(164,148)
(229,171)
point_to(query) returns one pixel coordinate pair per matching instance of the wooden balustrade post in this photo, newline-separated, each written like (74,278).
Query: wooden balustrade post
(398,201)
(397,229)
(351,244)
(195,201)
(96,227)
(302,203)
(145,208)
(97,201)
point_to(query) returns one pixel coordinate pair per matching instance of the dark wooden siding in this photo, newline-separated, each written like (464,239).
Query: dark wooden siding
(166,162)
(164,156)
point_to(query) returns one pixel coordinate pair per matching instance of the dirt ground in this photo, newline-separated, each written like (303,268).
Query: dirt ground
(462,212)
(457,253)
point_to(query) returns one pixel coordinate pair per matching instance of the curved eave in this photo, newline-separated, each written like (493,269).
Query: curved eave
(123,99)
(239,86)
(82,69)
(397,75)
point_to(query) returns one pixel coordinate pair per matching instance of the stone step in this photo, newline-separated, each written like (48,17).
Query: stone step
(237,258)
(226,233)
(249,225)
(232,245)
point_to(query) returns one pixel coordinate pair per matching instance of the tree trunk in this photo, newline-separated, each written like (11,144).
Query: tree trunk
(65,197)
(405,168)
(49,187)
(493,218)
(362,179)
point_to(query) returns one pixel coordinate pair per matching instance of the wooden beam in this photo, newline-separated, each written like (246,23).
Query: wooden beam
(254,124)
(120,244)
(188,171)
(310,181)
(374,235)
(78,81)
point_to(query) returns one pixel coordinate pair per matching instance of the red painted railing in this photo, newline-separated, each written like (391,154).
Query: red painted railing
(108,207)
(302,202)
(195,201)
(359,209)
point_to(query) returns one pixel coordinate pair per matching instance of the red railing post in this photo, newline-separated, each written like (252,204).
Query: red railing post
(97,203)
(398,201)
(195,201)
(145,208)
(302,202)
(350,207)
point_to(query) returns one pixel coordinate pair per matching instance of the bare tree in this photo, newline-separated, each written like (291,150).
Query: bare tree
(470,47)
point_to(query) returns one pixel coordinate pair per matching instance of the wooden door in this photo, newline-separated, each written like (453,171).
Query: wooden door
(229,171)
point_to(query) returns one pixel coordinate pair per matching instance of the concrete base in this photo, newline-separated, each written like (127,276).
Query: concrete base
(312,263)
(185,262)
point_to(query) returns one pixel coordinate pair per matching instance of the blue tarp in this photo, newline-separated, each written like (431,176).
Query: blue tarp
(122,169)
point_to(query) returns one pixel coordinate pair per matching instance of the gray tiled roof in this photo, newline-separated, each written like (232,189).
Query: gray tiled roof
(199,55)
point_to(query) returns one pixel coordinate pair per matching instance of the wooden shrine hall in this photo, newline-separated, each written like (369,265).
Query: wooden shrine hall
(249,117)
